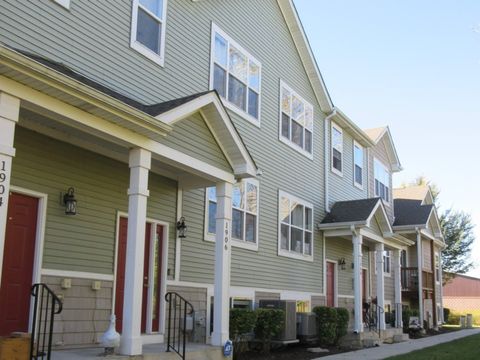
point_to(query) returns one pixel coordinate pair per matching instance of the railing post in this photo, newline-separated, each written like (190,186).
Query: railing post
(169,316)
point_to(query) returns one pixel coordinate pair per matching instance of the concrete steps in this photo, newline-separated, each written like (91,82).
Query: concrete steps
(368,339)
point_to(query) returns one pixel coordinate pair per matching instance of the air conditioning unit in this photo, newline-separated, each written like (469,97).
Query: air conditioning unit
(307,325)
(289,331)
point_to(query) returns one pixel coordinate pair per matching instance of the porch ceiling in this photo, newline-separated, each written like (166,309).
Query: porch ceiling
(51,125)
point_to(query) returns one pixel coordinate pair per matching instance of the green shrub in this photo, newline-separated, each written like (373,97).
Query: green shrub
(268,326)
(446,314)
(242,323)
(342,323)
(326,325)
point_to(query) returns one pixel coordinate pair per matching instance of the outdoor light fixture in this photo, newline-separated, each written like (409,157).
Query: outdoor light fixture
(181,228)
(70,202)
(342,263)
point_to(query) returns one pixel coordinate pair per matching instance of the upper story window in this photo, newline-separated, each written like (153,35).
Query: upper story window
(295,227)
(236,75)
(387,262)
(148,28)
(382,181)
(337,149)
(358,164)
(244,214)
(437,267)
(296,121)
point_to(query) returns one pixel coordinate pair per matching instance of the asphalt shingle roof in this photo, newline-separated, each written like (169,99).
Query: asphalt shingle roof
(351,211)
(411,212)
(152,109)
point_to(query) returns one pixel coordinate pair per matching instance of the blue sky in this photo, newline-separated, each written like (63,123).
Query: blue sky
(415,66)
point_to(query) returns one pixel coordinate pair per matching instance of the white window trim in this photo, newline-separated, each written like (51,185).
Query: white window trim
(134,44)
(226,103)
(437,266)
(356,144)
(283,139)
(235,242)
(64,3)
(389,257)
(288,253)
(332,168)
(387,203)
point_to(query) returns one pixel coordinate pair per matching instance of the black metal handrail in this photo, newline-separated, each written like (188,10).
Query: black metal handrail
(45,306)
(372,317)
(177,337)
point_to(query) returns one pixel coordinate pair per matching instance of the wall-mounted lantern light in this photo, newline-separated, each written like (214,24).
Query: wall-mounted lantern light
(182,228)
(70,202)
(342,263)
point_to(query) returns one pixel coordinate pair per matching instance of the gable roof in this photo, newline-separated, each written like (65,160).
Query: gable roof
(351,211)
(305,51)
(417,192)
(377,134)
(411,212)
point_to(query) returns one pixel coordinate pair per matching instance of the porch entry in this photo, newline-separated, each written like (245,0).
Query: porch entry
(330,284)
(18,259)
(151,276)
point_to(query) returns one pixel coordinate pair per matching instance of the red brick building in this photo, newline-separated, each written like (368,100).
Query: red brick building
(462,293)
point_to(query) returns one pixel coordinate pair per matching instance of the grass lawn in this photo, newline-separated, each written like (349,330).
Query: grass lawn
(462,349)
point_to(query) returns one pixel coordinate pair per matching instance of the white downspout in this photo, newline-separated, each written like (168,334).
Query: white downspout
(327,157)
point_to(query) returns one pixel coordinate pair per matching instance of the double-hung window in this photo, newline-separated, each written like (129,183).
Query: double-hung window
(437,267)
(148,28)
(382,181)
(295,227)
(244,214)
(296,121)
(236,75)
(358,164)
(337,149)
(386,262)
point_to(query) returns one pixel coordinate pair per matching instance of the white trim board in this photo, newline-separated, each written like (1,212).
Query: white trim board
(77,274)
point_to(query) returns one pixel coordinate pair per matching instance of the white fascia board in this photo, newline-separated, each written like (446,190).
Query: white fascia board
(342,225)
(384,213)
(353,129)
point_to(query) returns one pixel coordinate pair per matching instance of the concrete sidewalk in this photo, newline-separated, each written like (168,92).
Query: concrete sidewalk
(384,351)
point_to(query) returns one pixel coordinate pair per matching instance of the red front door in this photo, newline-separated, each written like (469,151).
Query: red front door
(330,284)
(18,258)
(120,286)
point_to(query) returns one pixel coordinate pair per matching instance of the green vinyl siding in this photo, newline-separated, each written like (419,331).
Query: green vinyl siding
(84,242)
(342,188)
(338,248)
(192,137)
(93,37)
(379,152)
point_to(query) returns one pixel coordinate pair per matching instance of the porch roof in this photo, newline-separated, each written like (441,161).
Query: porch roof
(353,211)
(411,212)
(154,121)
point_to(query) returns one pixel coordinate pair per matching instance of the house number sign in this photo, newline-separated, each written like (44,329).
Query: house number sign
(3,179)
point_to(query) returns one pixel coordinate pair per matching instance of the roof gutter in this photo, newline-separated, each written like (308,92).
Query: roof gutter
(57,80)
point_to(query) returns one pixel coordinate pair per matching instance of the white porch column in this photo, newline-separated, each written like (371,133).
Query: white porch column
(139,163)
(441,287)
(221,300)
(420,276)
(357,282)
(398,287)
(379,248)
(9,110)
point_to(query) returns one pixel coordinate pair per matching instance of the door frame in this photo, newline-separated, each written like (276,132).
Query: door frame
(367,283)
(39,237)
(149,337)
(335,282)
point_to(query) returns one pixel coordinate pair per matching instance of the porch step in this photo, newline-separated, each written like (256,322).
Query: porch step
(204,354)
(366,339)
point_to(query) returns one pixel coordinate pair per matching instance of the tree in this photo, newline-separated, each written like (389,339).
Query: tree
(457,228)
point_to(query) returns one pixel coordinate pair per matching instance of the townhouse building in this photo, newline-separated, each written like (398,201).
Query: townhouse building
(120,121)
